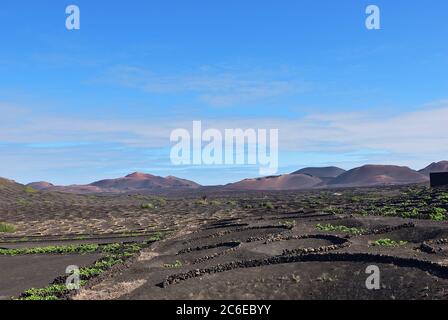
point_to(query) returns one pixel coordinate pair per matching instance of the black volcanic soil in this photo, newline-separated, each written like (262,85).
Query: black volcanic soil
(241,245)
(20,273)
(17,244)
(298,263)
(307,280)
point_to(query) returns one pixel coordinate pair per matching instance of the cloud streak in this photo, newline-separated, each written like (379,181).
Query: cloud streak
(420,131)
(212,86)
(413,138)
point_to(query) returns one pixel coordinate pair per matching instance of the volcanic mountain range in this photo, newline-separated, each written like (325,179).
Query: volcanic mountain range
(131,183)
(307,178)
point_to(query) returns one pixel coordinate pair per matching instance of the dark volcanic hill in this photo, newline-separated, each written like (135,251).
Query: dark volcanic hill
(141,181)
(371,175)
(441,166)
(10,186)
(13,194)
(284,182)
(324,172)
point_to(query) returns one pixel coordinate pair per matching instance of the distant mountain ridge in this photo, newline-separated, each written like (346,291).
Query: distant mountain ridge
(306,178)
(333,177)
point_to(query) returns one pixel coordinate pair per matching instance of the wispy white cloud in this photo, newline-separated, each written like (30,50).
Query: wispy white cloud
(217,87)
(413,138)
(418,131)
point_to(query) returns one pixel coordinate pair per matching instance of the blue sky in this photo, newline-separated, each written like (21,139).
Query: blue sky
(77,106)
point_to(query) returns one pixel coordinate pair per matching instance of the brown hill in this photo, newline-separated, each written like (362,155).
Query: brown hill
(41,185)
(76,189)
(441,166)
(324,172)
(284,182)
(141,181)
(371,175)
